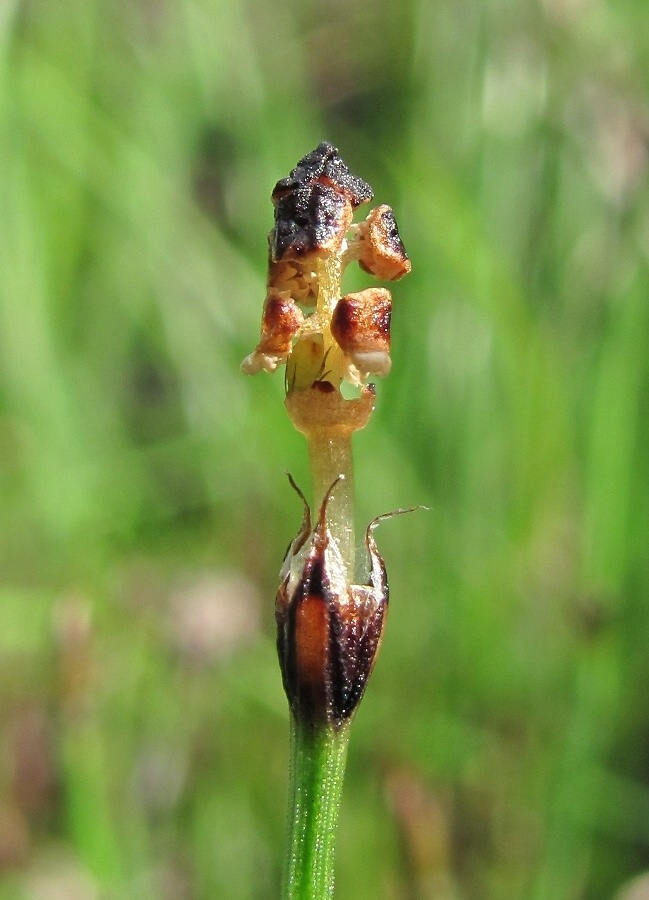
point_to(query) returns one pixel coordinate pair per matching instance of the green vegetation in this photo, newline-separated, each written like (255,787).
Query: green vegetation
(501,749)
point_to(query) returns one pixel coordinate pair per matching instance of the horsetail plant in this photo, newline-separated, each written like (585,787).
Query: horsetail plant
(329,626)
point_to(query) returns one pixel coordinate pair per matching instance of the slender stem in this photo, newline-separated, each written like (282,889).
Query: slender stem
(330,455)
(318,756)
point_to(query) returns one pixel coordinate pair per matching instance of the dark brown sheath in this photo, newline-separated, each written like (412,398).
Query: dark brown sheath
(328,634)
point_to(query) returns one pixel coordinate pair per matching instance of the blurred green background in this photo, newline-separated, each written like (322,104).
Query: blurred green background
(502,750)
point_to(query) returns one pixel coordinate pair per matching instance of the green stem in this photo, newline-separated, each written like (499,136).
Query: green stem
(318,756)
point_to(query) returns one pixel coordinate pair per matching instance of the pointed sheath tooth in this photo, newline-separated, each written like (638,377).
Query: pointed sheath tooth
(300,538)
